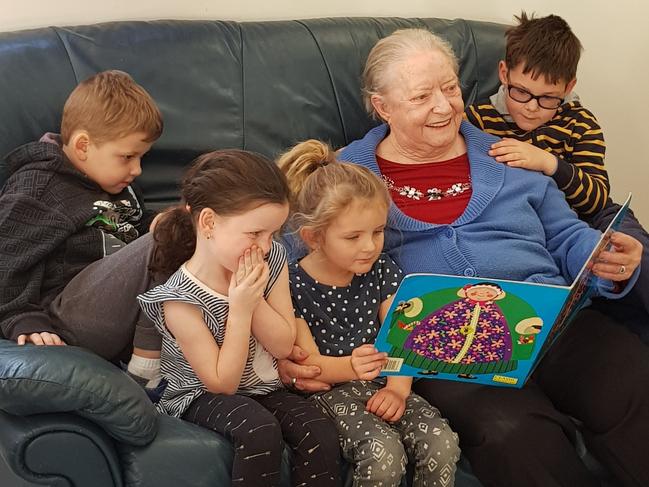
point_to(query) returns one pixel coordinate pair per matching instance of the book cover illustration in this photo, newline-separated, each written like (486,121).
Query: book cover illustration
(487,331)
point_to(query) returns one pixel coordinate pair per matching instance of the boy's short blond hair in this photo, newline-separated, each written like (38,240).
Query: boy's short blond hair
(110,105)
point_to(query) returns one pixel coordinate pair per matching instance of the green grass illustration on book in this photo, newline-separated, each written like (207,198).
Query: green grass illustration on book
(488,331)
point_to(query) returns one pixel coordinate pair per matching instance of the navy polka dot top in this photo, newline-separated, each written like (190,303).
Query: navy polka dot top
(343,318)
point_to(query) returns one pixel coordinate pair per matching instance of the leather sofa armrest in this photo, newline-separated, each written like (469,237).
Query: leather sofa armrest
(58,450)
(37,380)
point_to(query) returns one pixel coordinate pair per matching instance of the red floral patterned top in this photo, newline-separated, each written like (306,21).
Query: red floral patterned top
(433,192)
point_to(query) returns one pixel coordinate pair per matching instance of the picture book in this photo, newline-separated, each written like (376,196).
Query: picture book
(485,331)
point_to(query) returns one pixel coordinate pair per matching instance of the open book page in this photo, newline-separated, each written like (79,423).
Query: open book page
(486,331)
(585,284)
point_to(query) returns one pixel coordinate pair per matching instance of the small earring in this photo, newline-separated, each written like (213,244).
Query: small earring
(208,236)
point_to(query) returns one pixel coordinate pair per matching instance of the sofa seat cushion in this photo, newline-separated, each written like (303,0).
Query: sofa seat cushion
(182,454)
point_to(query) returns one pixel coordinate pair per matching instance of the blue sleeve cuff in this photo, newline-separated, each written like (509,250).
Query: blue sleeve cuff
(606,288)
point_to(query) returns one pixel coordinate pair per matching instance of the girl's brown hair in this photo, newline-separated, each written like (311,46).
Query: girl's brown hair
(229,182)
(321,187)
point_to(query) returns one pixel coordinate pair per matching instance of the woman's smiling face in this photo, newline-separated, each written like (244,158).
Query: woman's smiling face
(423,102)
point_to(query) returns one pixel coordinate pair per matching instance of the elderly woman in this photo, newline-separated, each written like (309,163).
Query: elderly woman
(457,211)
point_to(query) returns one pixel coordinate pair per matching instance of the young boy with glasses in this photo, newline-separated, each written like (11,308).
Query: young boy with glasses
(545,128)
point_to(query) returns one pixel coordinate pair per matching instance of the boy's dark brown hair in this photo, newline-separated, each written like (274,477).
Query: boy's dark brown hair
(110,105)
(545,46)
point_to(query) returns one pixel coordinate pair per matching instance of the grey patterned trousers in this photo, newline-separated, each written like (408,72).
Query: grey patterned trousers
(379,451)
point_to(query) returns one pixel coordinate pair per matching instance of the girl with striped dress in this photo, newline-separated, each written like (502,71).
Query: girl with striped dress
(226,316)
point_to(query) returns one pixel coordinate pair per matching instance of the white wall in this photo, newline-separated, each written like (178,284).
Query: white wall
(612,79)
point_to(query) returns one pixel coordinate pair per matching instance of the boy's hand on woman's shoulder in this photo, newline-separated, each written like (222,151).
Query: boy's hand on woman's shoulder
(524,155)
(42,338)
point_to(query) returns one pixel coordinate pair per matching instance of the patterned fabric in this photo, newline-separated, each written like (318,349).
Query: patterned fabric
(573,135)
(118,217)
(258,427)
(343,318)
(445,334)
(379,450)
(260,372)
(45,240)
(476,334)
(435,192)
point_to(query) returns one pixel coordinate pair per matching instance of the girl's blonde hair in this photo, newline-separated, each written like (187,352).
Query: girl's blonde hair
(321,187)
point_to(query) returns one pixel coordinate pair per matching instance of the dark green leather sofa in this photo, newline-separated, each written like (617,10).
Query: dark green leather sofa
(68,418)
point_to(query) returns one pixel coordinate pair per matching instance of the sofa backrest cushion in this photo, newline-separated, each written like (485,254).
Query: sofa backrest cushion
(261,86)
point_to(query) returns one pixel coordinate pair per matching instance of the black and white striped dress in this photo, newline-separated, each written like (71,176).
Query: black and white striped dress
(260,373)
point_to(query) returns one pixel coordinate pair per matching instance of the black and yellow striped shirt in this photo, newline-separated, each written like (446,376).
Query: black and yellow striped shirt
(574,137)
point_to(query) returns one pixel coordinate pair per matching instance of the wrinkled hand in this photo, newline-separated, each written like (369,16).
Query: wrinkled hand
(42,338)
(387,405)
(367,361)
(291,367)
(624,256)
(522,154)
(247,284)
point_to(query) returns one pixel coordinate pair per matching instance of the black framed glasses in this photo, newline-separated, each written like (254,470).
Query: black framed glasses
(521,95)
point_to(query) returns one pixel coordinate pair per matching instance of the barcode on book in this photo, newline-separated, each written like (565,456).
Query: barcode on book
(393,365)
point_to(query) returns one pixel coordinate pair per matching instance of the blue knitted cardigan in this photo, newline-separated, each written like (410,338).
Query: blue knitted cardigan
(516,226)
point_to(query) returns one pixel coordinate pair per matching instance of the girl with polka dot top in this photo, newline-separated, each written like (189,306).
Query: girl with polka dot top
(341,291)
